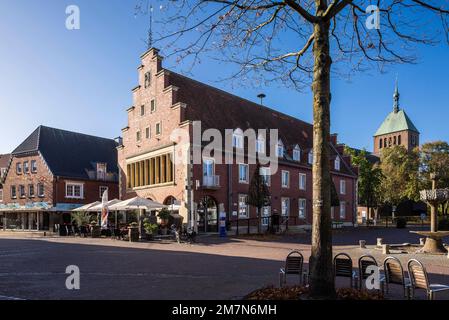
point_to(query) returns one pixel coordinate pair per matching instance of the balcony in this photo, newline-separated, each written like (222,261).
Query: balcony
(211,182)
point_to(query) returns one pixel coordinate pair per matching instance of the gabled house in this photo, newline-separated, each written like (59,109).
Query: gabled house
(165,102)
(52,172)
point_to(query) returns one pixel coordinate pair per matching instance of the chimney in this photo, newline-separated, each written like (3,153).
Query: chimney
(334,139)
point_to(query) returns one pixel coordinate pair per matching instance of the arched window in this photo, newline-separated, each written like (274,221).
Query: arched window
(394,140)
(237,138)
(399,140)
(297,153)
(380,143)
(385,142)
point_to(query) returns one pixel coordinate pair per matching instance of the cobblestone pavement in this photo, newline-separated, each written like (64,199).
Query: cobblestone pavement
(33,266)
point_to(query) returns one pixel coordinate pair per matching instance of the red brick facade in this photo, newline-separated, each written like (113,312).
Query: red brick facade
(180,101)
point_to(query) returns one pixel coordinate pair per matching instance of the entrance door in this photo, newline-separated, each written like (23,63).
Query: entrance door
(207,215)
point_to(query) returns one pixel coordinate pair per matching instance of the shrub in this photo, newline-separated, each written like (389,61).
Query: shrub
(164,214)
(401,223)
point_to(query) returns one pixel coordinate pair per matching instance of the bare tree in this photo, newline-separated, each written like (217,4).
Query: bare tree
(295,42)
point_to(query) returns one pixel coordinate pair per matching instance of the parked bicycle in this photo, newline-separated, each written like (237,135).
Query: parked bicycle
(185,236)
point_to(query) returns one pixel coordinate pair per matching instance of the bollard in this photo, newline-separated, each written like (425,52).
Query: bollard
(380,242)
(362,244)
(422,241)
(385,249)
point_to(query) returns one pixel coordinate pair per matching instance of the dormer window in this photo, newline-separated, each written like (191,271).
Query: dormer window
(297,153)
(237,139)
(280,149)
(337,163)
(260,144)
(101,171)
(310,157)
(147,79)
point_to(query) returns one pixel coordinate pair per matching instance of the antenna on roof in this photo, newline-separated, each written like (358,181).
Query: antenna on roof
(261,97)
(150,31)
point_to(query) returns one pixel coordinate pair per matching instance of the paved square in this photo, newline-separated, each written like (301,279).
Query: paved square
(33,267)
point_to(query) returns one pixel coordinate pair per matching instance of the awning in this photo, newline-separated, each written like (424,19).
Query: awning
(31,206)
(98,207)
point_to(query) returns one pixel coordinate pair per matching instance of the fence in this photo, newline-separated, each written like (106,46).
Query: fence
(388,221)
(273,223)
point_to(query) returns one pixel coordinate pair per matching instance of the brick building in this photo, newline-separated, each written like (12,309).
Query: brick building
(165,101)
(52,172)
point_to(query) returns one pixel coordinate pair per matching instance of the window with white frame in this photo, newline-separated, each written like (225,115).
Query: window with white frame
(152,106)
(260,145)
(158,128)
(26,167)
(33,166)
(243,173)
(342,186)
(310,157)
(74,190)
(297,153)
(332,212)
(13,192)
(280,149)
(302,181)
(22,192)
(147,133)
(1,195)
(337,163)
(243,206)
(103,189)
(31,192)
(138,136)
(101,171)
(142,110)
(19,168)
(342,210)
(285,179)
(302,208)
(266,175)
(237,139)
(40,190)
(285,206)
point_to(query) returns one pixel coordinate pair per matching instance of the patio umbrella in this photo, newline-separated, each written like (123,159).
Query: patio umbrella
(87,207)
(137,203)
(99,205)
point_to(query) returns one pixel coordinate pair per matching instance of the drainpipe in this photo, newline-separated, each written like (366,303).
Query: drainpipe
(228,216)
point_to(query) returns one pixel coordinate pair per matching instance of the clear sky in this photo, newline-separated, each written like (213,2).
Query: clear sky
(81,80)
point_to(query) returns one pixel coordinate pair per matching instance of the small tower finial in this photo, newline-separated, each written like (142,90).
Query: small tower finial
(396,97)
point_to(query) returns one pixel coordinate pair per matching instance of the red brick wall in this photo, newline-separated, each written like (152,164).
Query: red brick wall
(91,191)
(43,175)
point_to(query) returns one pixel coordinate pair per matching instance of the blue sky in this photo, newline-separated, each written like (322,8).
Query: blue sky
(81,80)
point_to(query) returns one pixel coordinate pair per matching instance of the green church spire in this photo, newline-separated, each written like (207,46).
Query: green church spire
(396,97)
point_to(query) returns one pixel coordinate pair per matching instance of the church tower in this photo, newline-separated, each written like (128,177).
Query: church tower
(397,129)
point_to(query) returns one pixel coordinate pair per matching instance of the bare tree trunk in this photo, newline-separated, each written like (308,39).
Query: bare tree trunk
(321,279)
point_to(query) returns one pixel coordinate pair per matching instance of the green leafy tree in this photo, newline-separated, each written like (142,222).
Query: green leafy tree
(369,179)
(434,157)
(400,171)
(258,194)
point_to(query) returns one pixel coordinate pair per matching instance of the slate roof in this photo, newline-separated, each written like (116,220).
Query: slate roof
(221,110)
(395,122)
(70,154)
